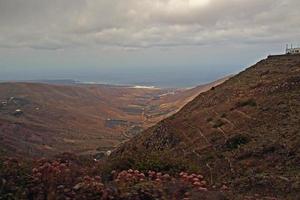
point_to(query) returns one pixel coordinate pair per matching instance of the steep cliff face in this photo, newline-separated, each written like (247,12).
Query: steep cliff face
(244,132)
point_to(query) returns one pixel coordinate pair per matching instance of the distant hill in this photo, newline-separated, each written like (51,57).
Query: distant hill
(54,81)
(244,133)
(46,119)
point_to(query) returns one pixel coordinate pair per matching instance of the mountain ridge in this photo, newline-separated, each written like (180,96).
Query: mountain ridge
(235,132)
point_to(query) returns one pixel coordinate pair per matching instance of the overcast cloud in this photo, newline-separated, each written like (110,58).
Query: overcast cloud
(135,25)
(56,24)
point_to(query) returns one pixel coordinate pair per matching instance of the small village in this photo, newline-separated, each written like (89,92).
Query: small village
(12,106)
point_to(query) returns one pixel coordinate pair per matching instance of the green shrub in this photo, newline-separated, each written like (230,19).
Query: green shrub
(219,123)
(248,102)
(209,119)
(223,115)
(236,141)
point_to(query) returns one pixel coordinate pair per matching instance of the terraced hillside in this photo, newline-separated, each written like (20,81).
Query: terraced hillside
(243,134)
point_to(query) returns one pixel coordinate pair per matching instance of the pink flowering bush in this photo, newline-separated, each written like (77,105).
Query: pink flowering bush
(72,178)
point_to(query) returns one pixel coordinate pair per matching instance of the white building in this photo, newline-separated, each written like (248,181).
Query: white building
(292,50)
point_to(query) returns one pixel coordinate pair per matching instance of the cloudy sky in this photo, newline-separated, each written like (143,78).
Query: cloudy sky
(94,40)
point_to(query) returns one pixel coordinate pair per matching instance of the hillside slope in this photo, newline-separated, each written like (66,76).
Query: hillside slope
(244,133)
(43,119)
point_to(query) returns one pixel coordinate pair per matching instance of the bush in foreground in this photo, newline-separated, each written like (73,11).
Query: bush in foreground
(70,179)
